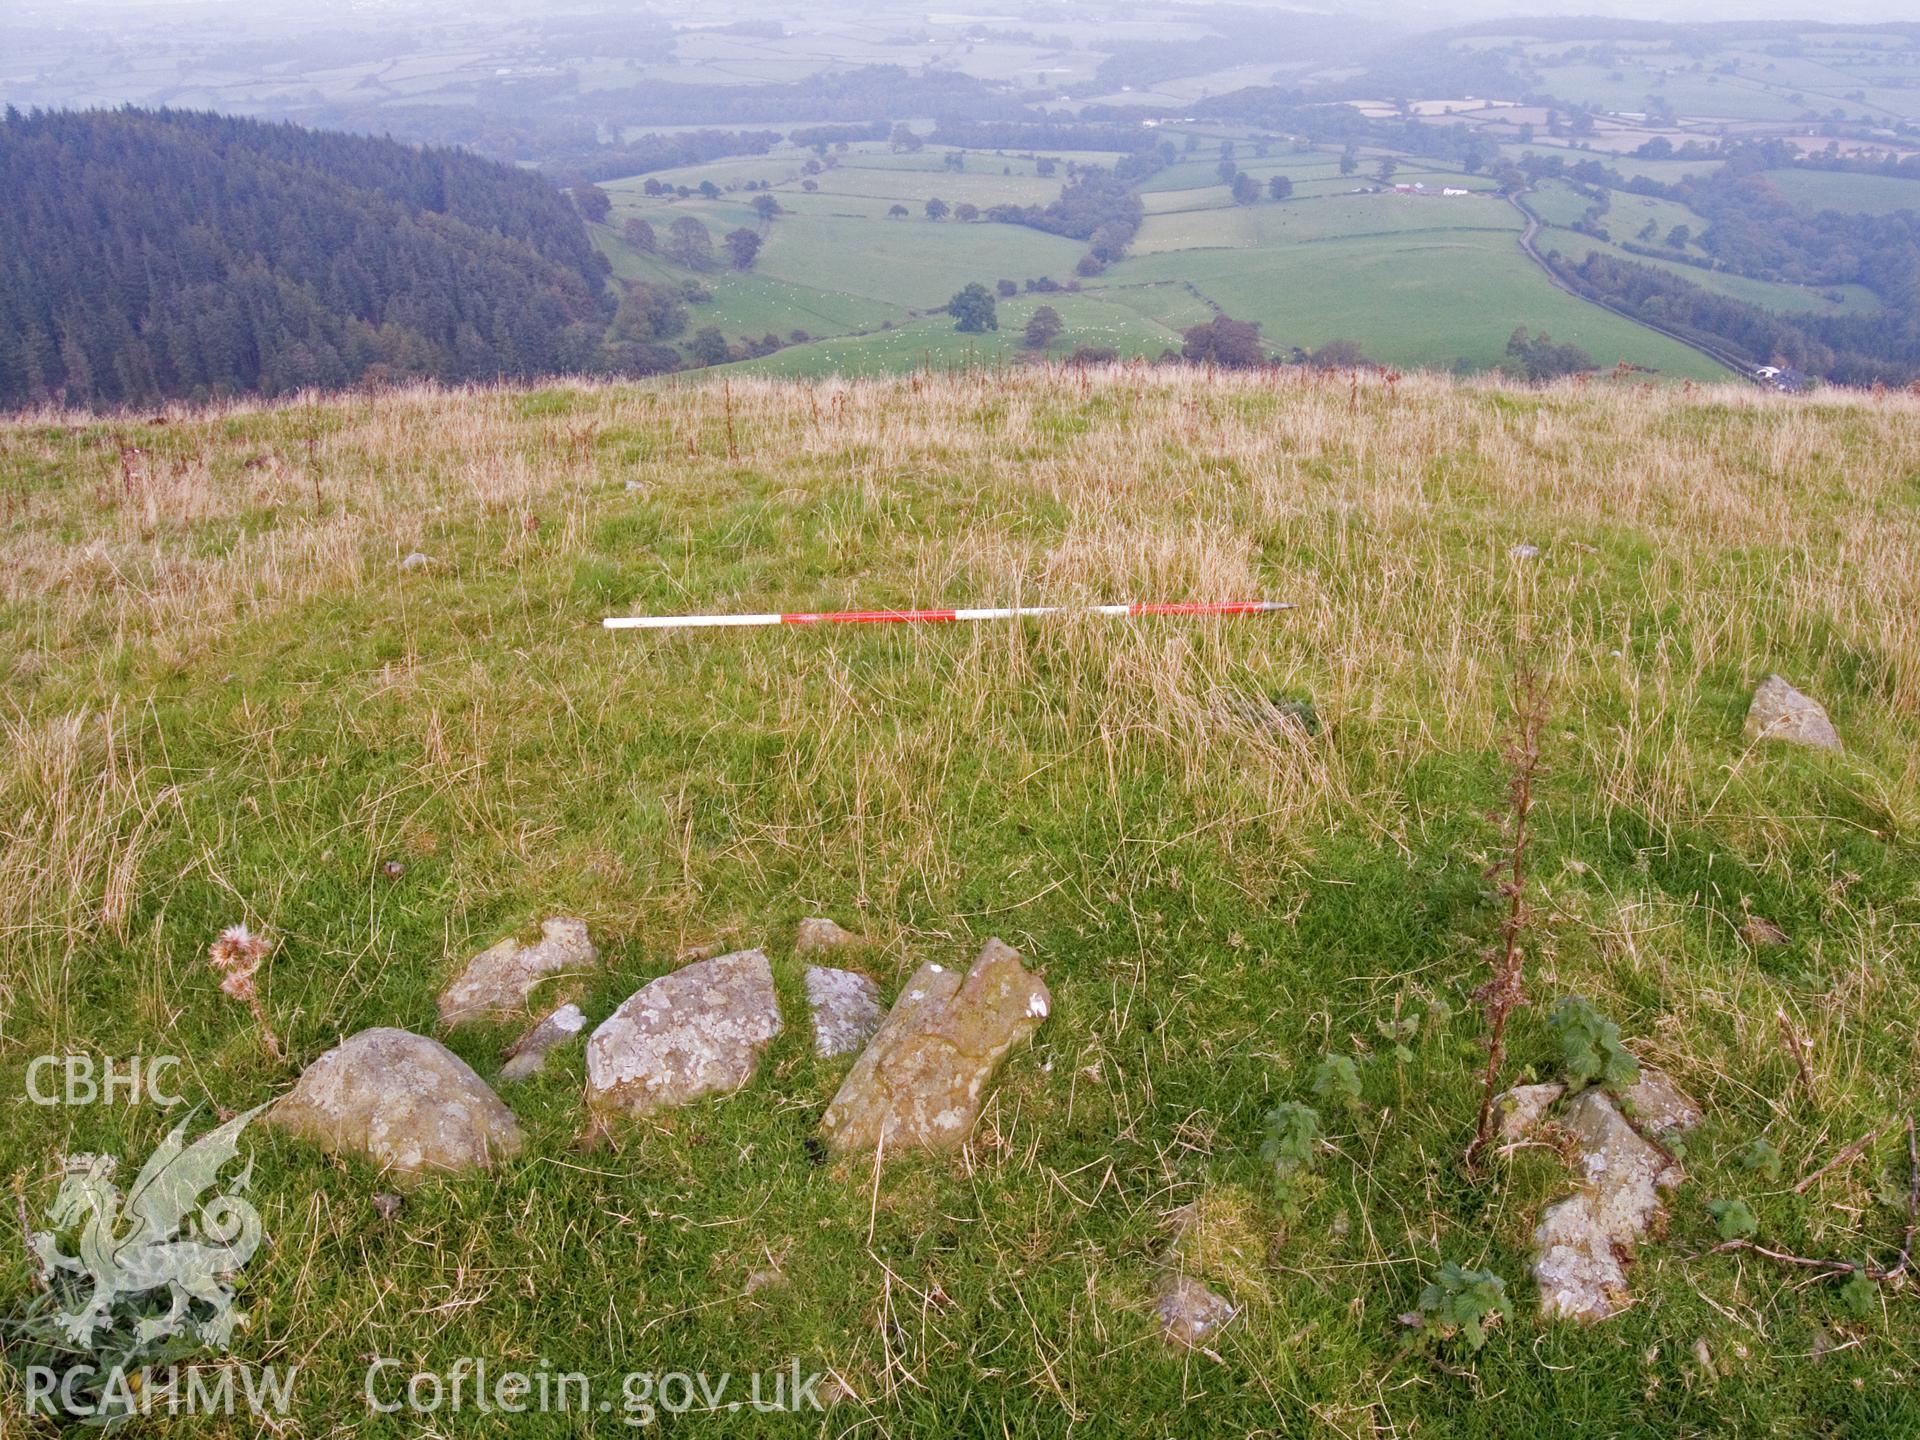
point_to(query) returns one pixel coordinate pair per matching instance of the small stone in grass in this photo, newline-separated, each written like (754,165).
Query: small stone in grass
(387,1205)
(527,1056)
(1190,1314)
(1780,712)
(819,933)
(1524,551)
(416,561)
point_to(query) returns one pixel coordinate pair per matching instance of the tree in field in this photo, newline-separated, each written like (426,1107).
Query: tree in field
(1678,237)
(1540,359)
(594,202)
(936,209)
(966,212)
(974,310)
(897,212)
(1226,170)
(902,137)
(648,314)
(765,206)
(709,190)
(1349,160)
(1246,189)
(1339,355)
(1043,328)
(1388,167)
(743,245)
(1007,288)
(690,243)
(1279,187)
(639,234)
(710,346)
(1044,165)
(1109,242)
(1228,343)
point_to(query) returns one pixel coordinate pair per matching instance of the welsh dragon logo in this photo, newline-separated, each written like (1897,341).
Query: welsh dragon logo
(160,1236)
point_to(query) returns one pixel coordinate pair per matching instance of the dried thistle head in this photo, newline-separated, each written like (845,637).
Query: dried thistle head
(237,955)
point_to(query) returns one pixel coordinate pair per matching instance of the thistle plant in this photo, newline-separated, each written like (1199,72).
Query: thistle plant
(237,956)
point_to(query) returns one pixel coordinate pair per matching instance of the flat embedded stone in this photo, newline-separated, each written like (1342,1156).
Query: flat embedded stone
(1522,1108)
(699,1031)
(401,1100)
(496,982)
(1583,1242)
(1190,1314)
(527,1056)
(846,1009)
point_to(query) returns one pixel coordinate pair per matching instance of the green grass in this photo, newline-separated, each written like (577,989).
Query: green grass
(229,698)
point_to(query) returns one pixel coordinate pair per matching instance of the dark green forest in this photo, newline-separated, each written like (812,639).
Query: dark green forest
(154,254)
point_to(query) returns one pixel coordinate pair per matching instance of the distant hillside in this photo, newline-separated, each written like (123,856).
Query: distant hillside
(146,254)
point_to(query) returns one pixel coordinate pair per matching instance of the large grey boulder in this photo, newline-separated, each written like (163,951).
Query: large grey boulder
(403,1101)
(699,1031)
(846,1009)
(1780,712)
(921,1081)
(496,982)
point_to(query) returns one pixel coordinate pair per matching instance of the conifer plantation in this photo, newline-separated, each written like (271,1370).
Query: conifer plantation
(153,254)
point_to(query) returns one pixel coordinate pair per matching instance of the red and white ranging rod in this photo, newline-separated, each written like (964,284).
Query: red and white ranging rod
(925,617)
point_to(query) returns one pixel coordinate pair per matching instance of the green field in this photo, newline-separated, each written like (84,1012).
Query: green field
(1852,194)
(1421,300)
(1090,319)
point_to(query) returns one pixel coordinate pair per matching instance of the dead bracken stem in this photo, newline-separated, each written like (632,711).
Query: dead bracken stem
(1796,1046)
(1877,1273)
(1505,990)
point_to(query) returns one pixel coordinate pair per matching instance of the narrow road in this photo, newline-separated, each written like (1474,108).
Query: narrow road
(1741,367)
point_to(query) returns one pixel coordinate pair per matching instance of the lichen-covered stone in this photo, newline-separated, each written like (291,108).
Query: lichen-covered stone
(1522,1108)
(1780,712)
(527,1056)
(401,1100)
(846,1009)
(921,1080)
(1583,1242)
(1658,1104)
(1190,1314)
(699,1031)
(496,982)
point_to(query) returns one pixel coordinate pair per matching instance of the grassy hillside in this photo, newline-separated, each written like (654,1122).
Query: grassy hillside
(225,701)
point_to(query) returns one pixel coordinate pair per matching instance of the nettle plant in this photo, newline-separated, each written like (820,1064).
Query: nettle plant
(1292,1142)
(1460,1305)
(1590,1048)
(1336,1080)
